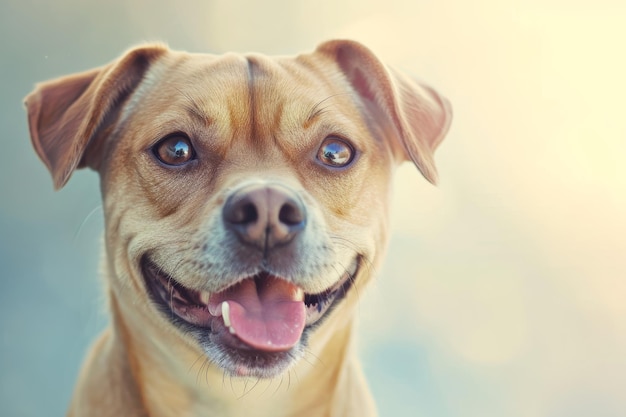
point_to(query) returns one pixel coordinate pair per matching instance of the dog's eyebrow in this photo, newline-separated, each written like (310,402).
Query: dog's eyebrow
(316,110)
(198,114)
(194,109)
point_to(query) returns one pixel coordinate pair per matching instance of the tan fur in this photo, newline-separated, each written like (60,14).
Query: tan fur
(252,119)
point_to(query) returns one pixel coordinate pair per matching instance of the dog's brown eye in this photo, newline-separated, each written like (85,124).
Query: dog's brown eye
(174,150)
(335,152)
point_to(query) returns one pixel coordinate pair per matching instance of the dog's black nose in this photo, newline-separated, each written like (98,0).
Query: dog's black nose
(265,216)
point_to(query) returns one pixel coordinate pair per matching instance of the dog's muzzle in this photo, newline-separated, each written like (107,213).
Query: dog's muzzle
(258,319)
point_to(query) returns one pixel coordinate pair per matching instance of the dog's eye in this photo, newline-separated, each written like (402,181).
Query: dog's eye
(174,150)
(335,152)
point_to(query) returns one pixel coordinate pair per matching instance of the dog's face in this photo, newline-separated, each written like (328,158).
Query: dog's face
(245,197)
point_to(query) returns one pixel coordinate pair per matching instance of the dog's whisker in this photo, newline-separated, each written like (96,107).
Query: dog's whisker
(171,287)
(207,369)
(352,279)
(232,387)
(201,369)
(201,356)
(251,388)
(207,366)
(85,220)
(288,380)
(295,373)
(309,352)
(317,111)
(270,381)
(280,384)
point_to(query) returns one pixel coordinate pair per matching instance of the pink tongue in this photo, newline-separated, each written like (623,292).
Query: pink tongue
(267,313)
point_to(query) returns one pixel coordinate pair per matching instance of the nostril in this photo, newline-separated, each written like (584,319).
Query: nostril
(249,213)
(290,214)
(243,213)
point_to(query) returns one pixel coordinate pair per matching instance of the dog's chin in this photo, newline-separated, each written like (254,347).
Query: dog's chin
(201,314)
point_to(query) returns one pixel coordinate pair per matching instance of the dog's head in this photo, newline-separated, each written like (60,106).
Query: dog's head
(244,196)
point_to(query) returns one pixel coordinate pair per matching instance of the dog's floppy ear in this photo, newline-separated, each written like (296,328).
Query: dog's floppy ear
(419,116)
(65,115)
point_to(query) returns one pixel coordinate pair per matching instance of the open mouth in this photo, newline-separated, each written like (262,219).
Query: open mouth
(261,314)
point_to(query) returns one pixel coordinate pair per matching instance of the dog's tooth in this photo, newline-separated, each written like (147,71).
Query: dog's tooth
(226,315)
(204,297)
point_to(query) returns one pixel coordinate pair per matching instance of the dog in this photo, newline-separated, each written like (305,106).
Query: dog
(246,204)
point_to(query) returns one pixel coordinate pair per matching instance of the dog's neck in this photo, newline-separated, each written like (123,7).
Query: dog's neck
(175,380)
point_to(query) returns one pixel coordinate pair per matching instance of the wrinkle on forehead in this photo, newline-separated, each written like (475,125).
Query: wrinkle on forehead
(249,103)
(287,98)
(218,90)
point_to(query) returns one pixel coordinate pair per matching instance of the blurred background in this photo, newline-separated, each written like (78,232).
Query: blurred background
(504,290)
